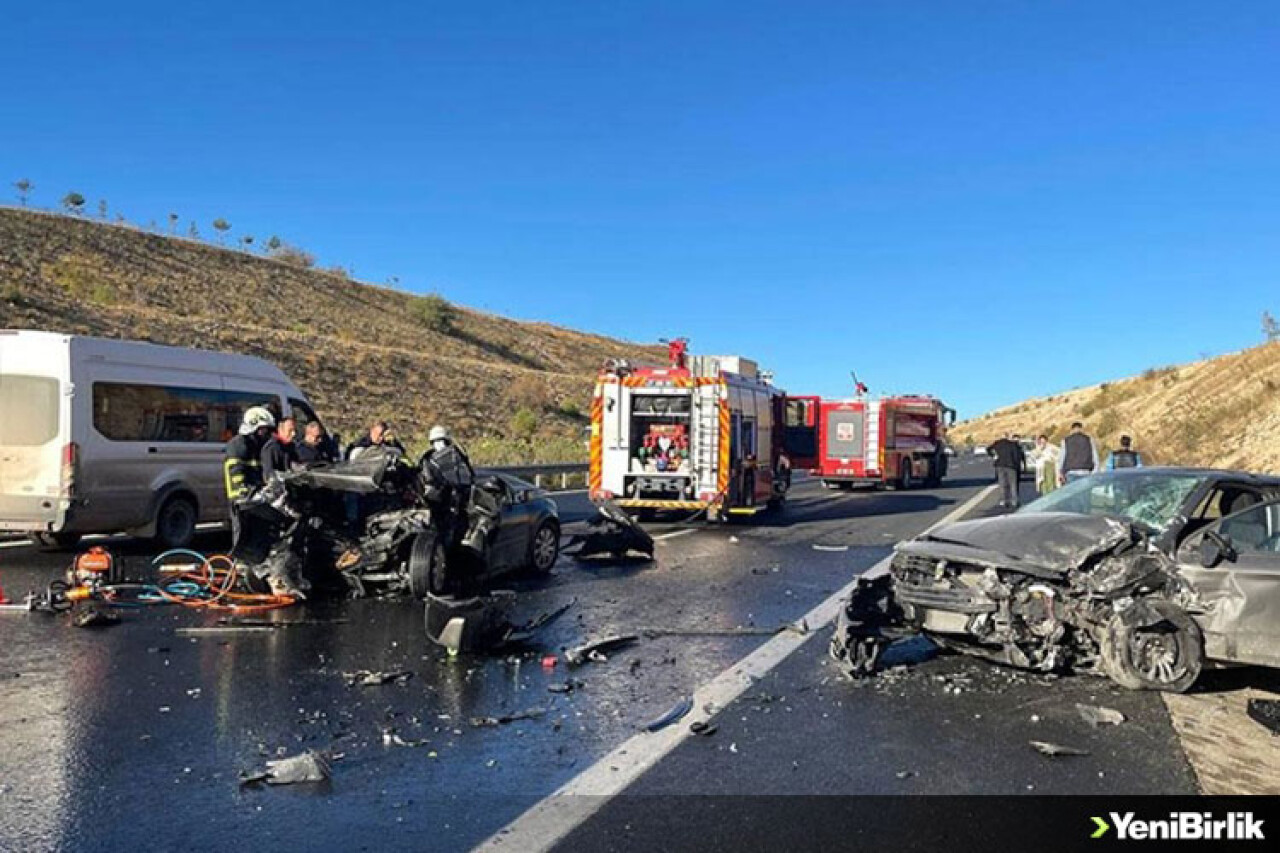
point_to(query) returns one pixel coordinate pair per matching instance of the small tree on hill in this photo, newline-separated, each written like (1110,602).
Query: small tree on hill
(102,209)
(273,244)
(193,232)
(246,242)
(434,312)
(222,226)
(1270,327)
(24,188)
(524,424)
(173,223)
(73,202)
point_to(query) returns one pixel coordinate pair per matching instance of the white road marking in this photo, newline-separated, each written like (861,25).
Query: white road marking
(673,534)
(547,823)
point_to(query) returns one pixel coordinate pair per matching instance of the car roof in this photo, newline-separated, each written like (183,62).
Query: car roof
(1210,473)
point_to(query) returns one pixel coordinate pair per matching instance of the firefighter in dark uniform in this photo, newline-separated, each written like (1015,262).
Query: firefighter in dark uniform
(449,476)
(242,465)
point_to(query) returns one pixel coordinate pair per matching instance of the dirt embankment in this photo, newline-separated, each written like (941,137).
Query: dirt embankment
(1221,412)
(358,350)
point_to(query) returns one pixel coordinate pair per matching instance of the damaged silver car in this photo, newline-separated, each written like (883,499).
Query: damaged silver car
(1143,575)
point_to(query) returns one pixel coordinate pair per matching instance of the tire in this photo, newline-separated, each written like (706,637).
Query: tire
(906,480)
(1167,656)
(830,484)
(544,548)
(428,568)
(55,541)
(176,522)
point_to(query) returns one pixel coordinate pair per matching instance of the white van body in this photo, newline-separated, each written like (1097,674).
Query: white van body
(103,436)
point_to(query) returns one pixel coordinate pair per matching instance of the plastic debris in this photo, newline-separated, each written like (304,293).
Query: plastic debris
(1266,713)
(307,767)
(370,678)
(1054,750)
(676,712)
(1096,715)
(705,729)
(528,714)
(595,650)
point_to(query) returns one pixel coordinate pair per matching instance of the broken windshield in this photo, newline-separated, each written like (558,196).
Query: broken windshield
(1152,498)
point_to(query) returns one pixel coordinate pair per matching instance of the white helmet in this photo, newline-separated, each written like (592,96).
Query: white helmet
(438,433)
(255,418)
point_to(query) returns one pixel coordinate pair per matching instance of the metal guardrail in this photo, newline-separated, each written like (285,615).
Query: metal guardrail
(539,475)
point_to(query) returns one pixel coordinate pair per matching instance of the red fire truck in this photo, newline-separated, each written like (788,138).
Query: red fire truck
(893,441)
(699,435)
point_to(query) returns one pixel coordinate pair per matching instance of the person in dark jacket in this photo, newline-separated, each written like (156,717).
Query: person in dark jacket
(242,462)
(1079,457)
(316,448)
(1009,460)
(379,435)
(1125,457)
(280,453)
(448,476)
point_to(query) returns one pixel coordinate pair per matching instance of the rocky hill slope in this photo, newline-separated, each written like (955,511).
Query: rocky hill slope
(1223,411)
(359,351)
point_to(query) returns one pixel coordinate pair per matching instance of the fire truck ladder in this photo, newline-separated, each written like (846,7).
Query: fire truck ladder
(706,437)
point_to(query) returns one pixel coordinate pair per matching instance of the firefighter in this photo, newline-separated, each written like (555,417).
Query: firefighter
(448,477)
(242,466)
(1125,457)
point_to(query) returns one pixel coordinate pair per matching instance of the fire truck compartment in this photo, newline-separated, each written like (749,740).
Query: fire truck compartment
(845,432)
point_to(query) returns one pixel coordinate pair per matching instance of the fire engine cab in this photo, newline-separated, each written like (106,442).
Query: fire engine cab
(701,434)
(893,441)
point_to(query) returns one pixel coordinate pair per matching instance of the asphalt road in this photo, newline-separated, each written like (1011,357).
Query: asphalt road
(132,737)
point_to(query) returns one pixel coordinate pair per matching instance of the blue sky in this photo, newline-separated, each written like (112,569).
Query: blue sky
(983,200)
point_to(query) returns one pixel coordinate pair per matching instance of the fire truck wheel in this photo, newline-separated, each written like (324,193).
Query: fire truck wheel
(906,479)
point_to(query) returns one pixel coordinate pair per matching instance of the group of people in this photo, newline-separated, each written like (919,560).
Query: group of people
(266,447)
(1054,465)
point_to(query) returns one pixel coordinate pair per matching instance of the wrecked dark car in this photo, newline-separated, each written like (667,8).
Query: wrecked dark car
(1143,575)
(369,526)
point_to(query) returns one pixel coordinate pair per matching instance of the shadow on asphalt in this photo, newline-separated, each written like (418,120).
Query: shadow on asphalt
(887,503)
(1238,678)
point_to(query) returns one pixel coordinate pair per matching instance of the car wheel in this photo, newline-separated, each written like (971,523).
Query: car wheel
(1164,656)
(428,568)
(55,541)
(176,522)
(544,548)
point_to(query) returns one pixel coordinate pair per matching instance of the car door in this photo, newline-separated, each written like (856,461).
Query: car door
(1240,593)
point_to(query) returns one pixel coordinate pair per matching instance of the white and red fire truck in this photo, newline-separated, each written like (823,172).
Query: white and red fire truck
(893,441)
(703,434)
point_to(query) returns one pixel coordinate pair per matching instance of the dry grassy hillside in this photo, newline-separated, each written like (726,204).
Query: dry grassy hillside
(359,351)
(1221,412)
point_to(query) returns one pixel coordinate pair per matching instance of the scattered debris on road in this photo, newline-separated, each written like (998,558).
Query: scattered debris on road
(595,650)
(568,686)
(704,729)
(838,549)
(612,532)
(1055,750)
(676,712)
(1096,715)
(95,618)
(307,767)
(492,722)
(1266,713)
(369,678)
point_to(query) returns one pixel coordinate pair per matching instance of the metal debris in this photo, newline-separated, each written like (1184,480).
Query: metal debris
(1054,750)
(568,686)
(95,619)
(307,767)
(833,548)
(487,722)
(1266,713)
(705,729)
(676,712)
(595,650)
(370,678)
(1096,715)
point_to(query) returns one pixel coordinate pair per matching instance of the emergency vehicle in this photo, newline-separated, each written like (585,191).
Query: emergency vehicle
(893,441)
(702,434)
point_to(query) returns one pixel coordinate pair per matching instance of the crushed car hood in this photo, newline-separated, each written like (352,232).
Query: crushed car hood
(1047,544)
